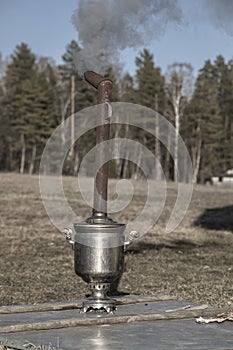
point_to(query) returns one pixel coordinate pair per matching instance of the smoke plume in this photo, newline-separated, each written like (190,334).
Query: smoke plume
(220,13)
(106,27)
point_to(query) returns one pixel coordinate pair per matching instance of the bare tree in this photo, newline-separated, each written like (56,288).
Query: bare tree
(179,85)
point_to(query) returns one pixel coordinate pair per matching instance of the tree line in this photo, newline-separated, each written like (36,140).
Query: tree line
(36,95)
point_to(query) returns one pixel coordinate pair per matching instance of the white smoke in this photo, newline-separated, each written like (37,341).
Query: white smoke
(106,27)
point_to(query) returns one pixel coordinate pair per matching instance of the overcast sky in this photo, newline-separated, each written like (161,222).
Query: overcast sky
(46,26)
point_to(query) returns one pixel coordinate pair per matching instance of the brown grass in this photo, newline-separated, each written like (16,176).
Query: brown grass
(193,263)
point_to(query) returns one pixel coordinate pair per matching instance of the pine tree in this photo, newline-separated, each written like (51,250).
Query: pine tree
(230,128)
(21,68)
(224,83)
(150,93)
(38,106)
(30,106)
(204,124)
(149,81)
(76,95)
(5,127)
(127,89)
(84,93)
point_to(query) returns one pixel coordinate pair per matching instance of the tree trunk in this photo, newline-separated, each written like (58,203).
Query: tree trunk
(158,170)
(197,159)
(118,161)
(72,117)
(138,167)
(158,173)
(9,162)
(157,152)
(176,151)
(63,117)
(23,153)
(31,167)
(231,143)
(124,165)
(116,150)
(125,162)
(76,162)
(167,156)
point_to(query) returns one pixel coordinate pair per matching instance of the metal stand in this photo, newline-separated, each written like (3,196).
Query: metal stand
(99,301)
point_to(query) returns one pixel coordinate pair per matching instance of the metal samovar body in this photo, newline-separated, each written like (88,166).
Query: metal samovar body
(99,259)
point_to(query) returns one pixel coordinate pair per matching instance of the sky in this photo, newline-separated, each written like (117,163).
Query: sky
(46,26)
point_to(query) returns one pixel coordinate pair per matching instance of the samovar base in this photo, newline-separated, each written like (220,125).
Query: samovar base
(99,301)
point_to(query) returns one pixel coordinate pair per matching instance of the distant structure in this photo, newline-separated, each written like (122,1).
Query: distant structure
(225,179)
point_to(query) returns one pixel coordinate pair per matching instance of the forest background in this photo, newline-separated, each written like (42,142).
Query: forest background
(36,95)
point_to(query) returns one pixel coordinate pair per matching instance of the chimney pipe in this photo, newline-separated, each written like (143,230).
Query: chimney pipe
(104,90)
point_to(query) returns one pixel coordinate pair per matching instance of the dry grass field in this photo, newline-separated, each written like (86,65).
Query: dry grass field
(193,263)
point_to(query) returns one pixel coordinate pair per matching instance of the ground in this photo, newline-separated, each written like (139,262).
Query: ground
(193,263)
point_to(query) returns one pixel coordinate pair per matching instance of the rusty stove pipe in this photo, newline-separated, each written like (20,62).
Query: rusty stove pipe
(104,89)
